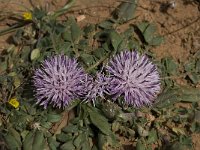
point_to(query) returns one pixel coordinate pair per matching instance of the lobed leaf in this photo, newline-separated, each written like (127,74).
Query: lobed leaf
(126,11)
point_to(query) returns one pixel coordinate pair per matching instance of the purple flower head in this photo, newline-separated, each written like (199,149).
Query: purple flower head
(134,77)
(57,82)
(94,87)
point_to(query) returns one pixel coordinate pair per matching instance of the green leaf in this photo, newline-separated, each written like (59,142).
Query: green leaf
(189,66)
(35,54)
(94,147)
(11,48)
(25,53)
(131,132)
(17,38)
(68,146)
(197,66)
(79,140)
(167,98)
(187,141)
(142,132)
(142,26)
(171,66)
(59,28)
(86,145)
(105,47)
(189,94)
(172,96)
(140,145)
(99,53)
(149,33)
(152,138)
(105,140)
(157,40)
(99,120)
(38,13)
(44,43)
(63,137)
(46,125)
(194,77)
(128,33)
(23,134)
(12,74)
(83,45)
(87,59)
(193,127)
(197,116)
(175,146)
(73,31)
(65,48)
(126,10)
(11,142)
(106,24)
(16,82)
(28,142)
(90,29)
(101,141)
(116,40)
(16,135)
(70,128)
(52,143)
(53,117)
(39,141)
(3,66)
(110,110)
(31,109)
(61,11)
(134,44)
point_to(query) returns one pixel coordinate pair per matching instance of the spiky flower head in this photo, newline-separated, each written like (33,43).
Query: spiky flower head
(57,82)
(133,76)
(94,87)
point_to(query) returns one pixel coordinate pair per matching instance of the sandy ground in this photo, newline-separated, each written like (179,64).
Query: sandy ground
(177,20)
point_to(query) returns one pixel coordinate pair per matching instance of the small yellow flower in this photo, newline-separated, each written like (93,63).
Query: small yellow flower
(14,102)
(27,16)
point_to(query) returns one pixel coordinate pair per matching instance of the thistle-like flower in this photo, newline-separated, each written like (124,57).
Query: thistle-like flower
(58,81)
(94,87)
(134,77)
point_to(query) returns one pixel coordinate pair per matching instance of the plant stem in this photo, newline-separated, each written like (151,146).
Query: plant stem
(97,63)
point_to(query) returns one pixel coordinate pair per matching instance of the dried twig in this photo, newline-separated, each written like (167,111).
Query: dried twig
(177,30)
